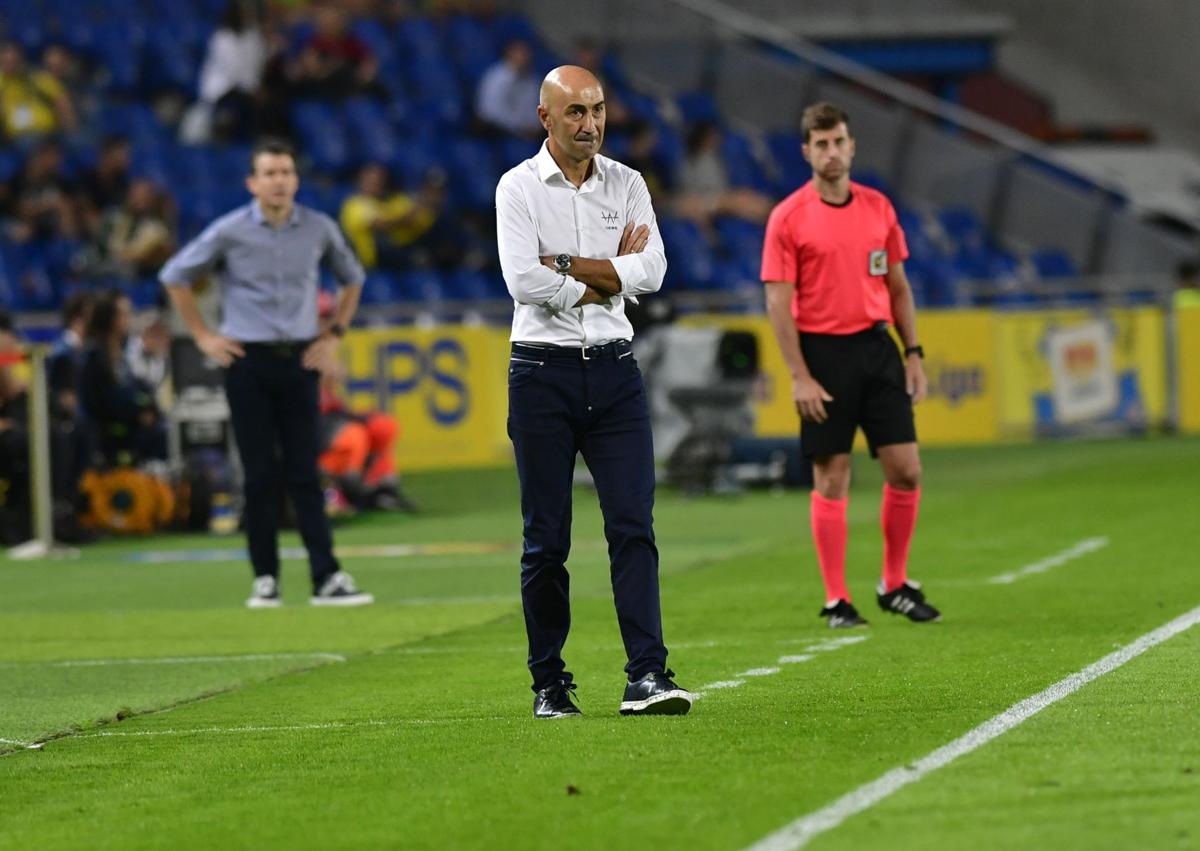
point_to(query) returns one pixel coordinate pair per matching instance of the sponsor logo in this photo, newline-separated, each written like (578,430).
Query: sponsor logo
(437,372)
(611,220)
(954,382)
(877,262)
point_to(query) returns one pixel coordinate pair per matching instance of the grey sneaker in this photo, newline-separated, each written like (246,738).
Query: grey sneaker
(340,590)
(265,594)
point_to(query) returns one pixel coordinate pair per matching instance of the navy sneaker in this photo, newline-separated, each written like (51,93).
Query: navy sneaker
(842,615)
(265,594)
(339,590)
(555,701)
(908,600)
(656,694)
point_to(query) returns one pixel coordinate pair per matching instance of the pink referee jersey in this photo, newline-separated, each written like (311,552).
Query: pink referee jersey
(836,256)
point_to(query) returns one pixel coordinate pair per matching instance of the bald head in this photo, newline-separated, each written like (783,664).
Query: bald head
(572,111)
(567,83)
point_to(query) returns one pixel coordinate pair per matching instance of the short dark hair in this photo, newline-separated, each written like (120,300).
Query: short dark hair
(7,326)
(78,305)
(822,116)
(270,145)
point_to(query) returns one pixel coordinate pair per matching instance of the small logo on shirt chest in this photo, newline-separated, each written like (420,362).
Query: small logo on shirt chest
(611,220)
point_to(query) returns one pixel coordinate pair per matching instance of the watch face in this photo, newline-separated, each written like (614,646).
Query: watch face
(563,262)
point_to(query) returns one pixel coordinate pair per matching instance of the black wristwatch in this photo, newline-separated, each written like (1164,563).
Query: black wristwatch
(917,350)
(562,263)
(338,331)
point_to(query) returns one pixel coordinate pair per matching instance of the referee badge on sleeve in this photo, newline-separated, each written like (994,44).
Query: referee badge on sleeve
(878,262)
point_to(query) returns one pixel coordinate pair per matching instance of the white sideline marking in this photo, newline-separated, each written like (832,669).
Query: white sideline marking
(26,745)
(759,672)
(824,646)
(1087,545)
(176,660)
(799,832)
(284,728)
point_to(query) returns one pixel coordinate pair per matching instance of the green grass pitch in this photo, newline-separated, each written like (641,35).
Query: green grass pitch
(173,718)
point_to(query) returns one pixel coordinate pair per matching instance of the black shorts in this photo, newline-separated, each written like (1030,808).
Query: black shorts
(864,374)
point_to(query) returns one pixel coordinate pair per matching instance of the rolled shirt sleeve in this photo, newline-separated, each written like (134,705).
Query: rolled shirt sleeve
(528,281)
(196,258)
(341,257)
(642,273)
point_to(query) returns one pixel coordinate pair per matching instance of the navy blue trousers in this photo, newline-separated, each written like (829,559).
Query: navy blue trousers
(560,404)
(273,403)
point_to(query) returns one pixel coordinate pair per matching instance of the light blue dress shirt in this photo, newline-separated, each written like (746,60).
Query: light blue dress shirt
(268,276)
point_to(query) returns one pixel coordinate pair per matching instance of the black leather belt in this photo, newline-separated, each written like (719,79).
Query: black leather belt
(279,348)
(615,349)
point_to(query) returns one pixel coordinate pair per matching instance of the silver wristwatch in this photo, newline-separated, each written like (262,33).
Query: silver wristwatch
(562,263)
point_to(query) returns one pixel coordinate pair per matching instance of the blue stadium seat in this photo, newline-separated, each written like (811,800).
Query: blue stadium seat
(473,47)
(695,107)
(322,136)
(438,91)
(1053,263)
(474,285)
(380,287)
(473,173)
(691,261)
(175,61)
(419,37)
(741,165)
(422,286)
(374,138)
(741,239)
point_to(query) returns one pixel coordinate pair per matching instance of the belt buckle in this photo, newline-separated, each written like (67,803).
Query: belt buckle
(583,352)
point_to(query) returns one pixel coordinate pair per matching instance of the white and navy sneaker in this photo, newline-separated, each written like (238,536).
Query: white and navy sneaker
(656,694)
(265,594)
(908,600)
(842,615)
(339,590)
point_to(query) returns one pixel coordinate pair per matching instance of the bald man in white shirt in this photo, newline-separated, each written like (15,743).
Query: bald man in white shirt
(577,237)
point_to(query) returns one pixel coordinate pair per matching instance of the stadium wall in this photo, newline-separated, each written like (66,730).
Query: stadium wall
(993,377)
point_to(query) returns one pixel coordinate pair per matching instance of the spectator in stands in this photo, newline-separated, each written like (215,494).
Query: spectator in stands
(104,186)
(230,77)
(119,408)
(64,363)
(41,201)
(149,349)
(135,239)
(62,66)
(14,440)
(506,102)
(32,103)
(643,157)
(335,63)
(704,186)
(396,230)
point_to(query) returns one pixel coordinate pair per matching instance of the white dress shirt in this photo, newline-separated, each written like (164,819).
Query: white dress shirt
(540,213)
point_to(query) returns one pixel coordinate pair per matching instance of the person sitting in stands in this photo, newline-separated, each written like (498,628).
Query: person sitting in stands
(119,408)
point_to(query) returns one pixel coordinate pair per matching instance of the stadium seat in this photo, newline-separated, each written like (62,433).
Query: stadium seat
(374,138)
(695,107)
(691,265)
(1053,263)
(380,287)
(322,136)
(420,285)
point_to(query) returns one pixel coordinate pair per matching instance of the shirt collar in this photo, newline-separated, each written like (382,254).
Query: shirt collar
(548,168)
(258,217)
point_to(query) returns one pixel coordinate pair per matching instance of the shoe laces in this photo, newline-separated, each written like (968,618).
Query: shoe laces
(561,689)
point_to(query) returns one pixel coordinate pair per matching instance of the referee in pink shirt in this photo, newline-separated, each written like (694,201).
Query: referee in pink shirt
(833,267)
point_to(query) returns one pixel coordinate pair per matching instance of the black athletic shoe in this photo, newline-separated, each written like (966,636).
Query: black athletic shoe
(339,590)
(656,694)
(908,600)
(842,615)
(555,701)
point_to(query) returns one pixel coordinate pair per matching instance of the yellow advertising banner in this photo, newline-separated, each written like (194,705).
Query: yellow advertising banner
(446,386)
(1187,362)
(1064,370)
(961,407)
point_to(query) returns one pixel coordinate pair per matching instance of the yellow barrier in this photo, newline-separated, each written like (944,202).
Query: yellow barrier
(992,376)
(1187,360)
(961,407)
(446,386)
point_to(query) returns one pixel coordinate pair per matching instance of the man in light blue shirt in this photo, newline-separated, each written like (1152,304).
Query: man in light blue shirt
(266,258)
